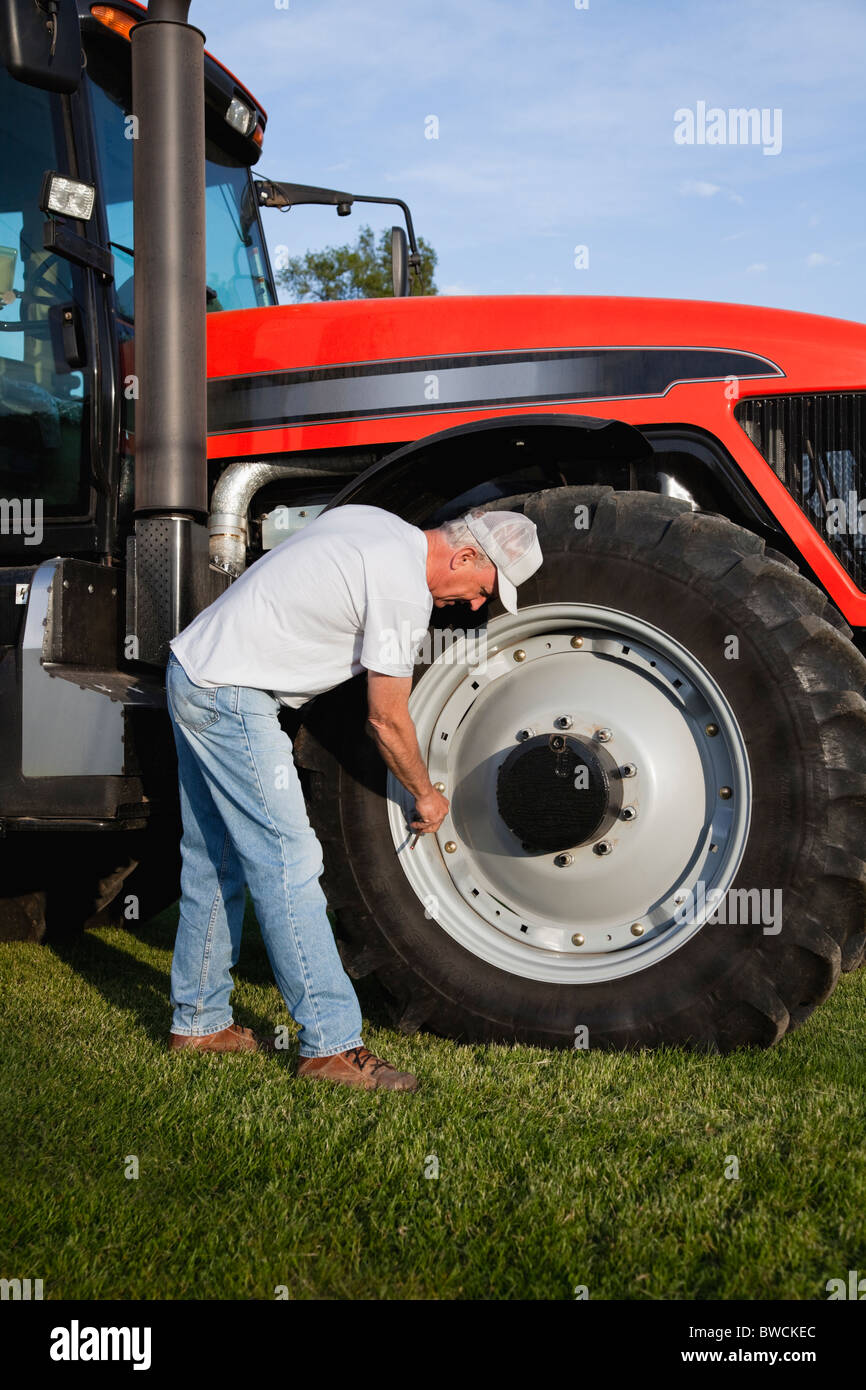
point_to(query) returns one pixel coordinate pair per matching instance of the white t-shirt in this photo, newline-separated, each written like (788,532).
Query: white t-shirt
(347,593)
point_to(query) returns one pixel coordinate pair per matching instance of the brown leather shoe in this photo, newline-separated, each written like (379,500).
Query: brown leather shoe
(231,1039)
(357,1067)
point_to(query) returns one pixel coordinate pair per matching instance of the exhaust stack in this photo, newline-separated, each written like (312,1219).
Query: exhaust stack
(167,565)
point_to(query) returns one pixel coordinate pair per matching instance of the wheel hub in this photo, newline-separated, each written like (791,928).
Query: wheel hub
(556,792)
(521,873)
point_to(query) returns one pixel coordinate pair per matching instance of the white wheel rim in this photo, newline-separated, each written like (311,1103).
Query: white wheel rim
(602,916)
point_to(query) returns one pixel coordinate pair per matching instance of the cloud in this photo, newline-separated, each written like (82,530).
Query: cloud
(818,258)
(756,268)
(458,289)
(699,188)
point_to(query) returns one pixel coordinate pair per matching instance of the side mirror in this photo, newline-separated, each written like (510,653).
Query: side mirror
(399,262)
(40,43)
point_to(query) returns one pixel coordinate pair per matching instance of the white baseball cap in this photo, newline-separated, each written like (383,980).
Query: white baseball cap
(510,540)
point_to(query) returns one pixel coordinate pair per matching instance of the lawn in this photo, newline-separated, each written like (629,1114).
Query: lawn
(555,1170)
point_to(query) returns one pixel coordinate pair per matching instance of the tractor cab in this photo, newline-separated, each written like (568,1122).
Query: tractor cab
(68,387)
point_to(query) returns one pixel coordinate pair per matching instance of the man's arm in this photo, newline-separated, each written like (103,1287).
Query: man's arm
(389,723)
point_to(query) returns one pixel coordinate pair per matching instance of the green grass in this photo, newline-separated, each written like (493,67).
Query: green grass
(555,1169)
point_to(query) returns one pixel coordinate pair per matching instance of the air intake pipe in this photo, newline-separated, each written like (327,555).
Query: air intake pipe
(230,505)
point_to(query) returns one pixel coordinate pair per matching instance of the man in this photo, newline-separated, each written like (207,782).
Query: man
(321,607)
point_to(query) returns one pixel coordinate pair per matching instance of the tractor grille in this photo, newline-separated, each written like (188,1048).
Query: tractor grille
(816,444)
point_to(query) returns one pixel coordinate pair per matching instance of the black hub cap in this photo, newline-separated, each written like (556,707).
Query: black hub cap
(556,792)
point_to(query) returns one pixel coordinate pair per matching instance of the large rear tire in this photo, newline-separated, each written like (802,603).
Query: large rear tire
(674,645)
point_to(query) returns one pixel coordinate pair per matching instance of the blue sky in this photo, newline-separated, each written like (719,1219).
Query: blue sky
(556,130)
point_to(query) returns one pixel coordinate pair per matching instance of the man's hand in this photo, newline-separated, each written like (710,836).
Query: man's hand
(390,724)
(430,812)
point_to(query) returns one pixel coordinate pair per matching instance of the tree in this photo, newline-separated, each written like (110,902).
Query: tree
(359,271)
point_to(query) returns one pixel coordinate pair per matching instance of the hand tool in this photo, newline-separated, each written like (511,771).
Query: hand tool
(440,787)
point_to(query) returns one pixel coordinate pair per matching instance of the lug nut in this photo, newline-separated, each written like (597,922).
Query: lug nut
(577,642)
(712,730)
(520,654)
(578,939)
(604,735)
(627,770)
(725,793)
(562,861)
(603,847)
(557,742)
(564,721)
(523,735)
(636,929)
(439,786)
(627,813)
(450,846)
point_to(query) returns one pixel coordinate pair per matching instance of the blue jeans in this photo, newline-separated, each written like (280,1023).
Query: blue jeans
(244,820)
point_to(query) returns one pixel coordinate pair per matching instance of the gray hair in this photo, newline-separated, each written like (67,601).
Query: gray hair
(457,534)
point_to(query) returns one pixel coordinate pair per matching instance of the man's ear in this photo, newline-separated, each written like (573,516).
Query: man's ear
(466,554)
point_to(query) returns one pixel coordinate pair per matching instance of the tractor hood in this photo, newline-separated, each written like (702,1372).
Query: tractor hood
(386,371)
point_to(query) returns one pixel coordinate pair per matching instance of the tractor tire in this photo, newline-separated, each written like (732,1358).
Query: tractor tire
(714,702)
(56,886)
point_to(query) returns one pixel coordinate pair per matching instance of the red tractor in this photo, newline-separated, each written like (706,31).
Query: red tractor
(656,770)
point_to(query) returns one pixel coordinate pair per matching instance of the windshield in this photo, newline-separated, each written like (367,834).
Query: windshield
(44,383)
(237,271)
